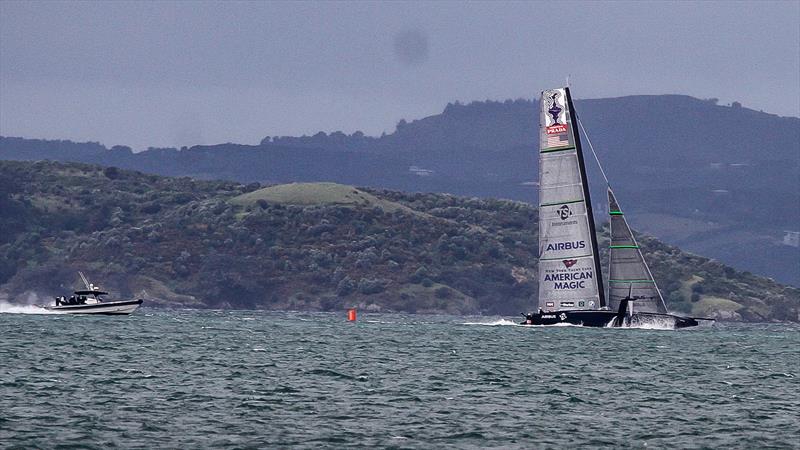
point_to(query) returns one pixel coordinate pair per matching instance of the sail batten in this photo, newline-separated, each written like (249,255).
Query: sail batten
(559,149)
(562,203)
(569,269)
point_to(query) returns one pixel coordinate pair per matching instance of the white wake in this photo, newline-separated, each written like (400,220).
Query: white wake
(10,308)
(496,323)
(651,323)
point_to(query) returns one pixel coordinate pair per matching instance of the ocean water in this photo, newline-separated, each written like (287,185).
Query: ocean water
(241,379)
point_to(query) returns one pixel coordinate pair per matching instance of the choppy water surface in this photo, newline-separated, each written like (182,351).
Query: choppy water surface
(238,379)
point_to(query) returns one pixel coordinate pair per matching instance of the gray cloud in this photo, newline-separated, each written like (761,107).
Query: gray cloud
(128,72)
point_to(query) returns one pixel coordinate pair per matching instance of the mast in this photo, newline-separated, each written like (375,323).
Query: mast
(588,198)
(569,263)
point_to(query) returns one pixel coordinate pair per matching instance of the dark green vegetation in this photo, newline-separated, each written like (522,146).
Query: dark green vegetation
(307,247)
(716,180)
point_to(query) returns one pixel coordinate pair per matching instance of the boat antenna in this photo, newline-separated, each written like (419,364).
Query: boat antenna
(85,281)
(568,80)
(589,141)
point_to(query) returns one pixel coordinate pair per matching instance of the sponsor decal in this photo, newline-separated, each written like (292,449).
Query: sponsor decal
(569,285)
(561,224)
(567,304)
(581,303)
(557,140)
(563,316)
(564,212)
(549,316)
(569,262)
(573,245)
(550,304)
(591,303)
(569,276)
(556,129)
(569,280)
(554,110)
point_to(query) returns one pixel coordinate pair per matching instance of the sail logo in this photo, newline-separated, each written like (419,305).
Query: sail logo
(558,128)
(562,224)
(572,245)
(569,262)
(564,212)
(564,281)
(554,110)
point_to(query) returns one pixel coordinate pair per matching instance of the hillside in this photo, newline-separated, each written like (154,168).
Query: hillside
(307,247)
(716,180)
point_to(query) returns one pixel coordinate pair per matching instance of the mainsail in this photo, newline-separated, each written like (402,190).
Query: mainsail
(628,271)
(569,266)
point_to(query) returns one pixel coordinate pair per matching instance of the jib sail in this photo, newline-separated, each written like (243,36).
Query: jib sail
(628,271)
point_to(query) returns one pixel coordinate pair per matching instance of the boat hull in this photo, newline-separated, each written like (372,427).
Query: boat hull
(104,308)
(588,318)
(609,319)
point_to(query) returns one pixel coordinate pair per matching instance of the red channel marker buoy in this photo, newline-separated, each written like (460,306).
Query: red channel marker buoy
(351,315)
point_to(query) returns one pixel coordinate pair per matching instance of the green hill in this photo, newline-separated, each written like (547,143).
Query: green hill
(317,194)
(307,247)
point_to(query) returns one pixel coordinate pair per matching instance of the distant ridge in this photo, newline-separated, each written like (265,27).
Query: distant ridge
(717,180)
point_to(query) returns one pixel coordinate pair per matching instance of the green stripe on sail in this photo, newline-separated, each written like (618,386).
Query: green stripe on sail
(561,203)
(557,149)
(631,281)
(615,213)
(624,246)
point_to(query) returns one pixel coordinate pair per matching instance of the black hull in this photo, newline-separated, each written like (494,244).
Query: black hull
(589,318)
(610,319)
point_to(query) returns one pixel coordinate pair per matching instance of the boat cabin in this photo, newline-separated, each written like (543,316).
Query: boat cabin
(81,298)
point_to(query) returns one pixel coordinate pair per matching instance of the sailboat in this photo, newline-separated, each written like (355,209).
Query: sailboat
(571,288)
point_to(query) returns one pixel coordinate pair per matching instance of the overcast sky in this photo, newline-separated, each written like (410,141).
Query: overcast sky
(184,73)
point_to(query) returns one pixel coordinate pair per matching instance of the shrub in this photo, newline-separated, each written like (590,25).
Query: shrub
(371,286)
(419,275)
(112,173)
(345,286)
(150,208)
(442,292)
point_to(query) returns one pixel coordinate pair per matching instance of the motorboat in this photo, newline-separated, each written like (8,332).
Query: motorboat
(91,301)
